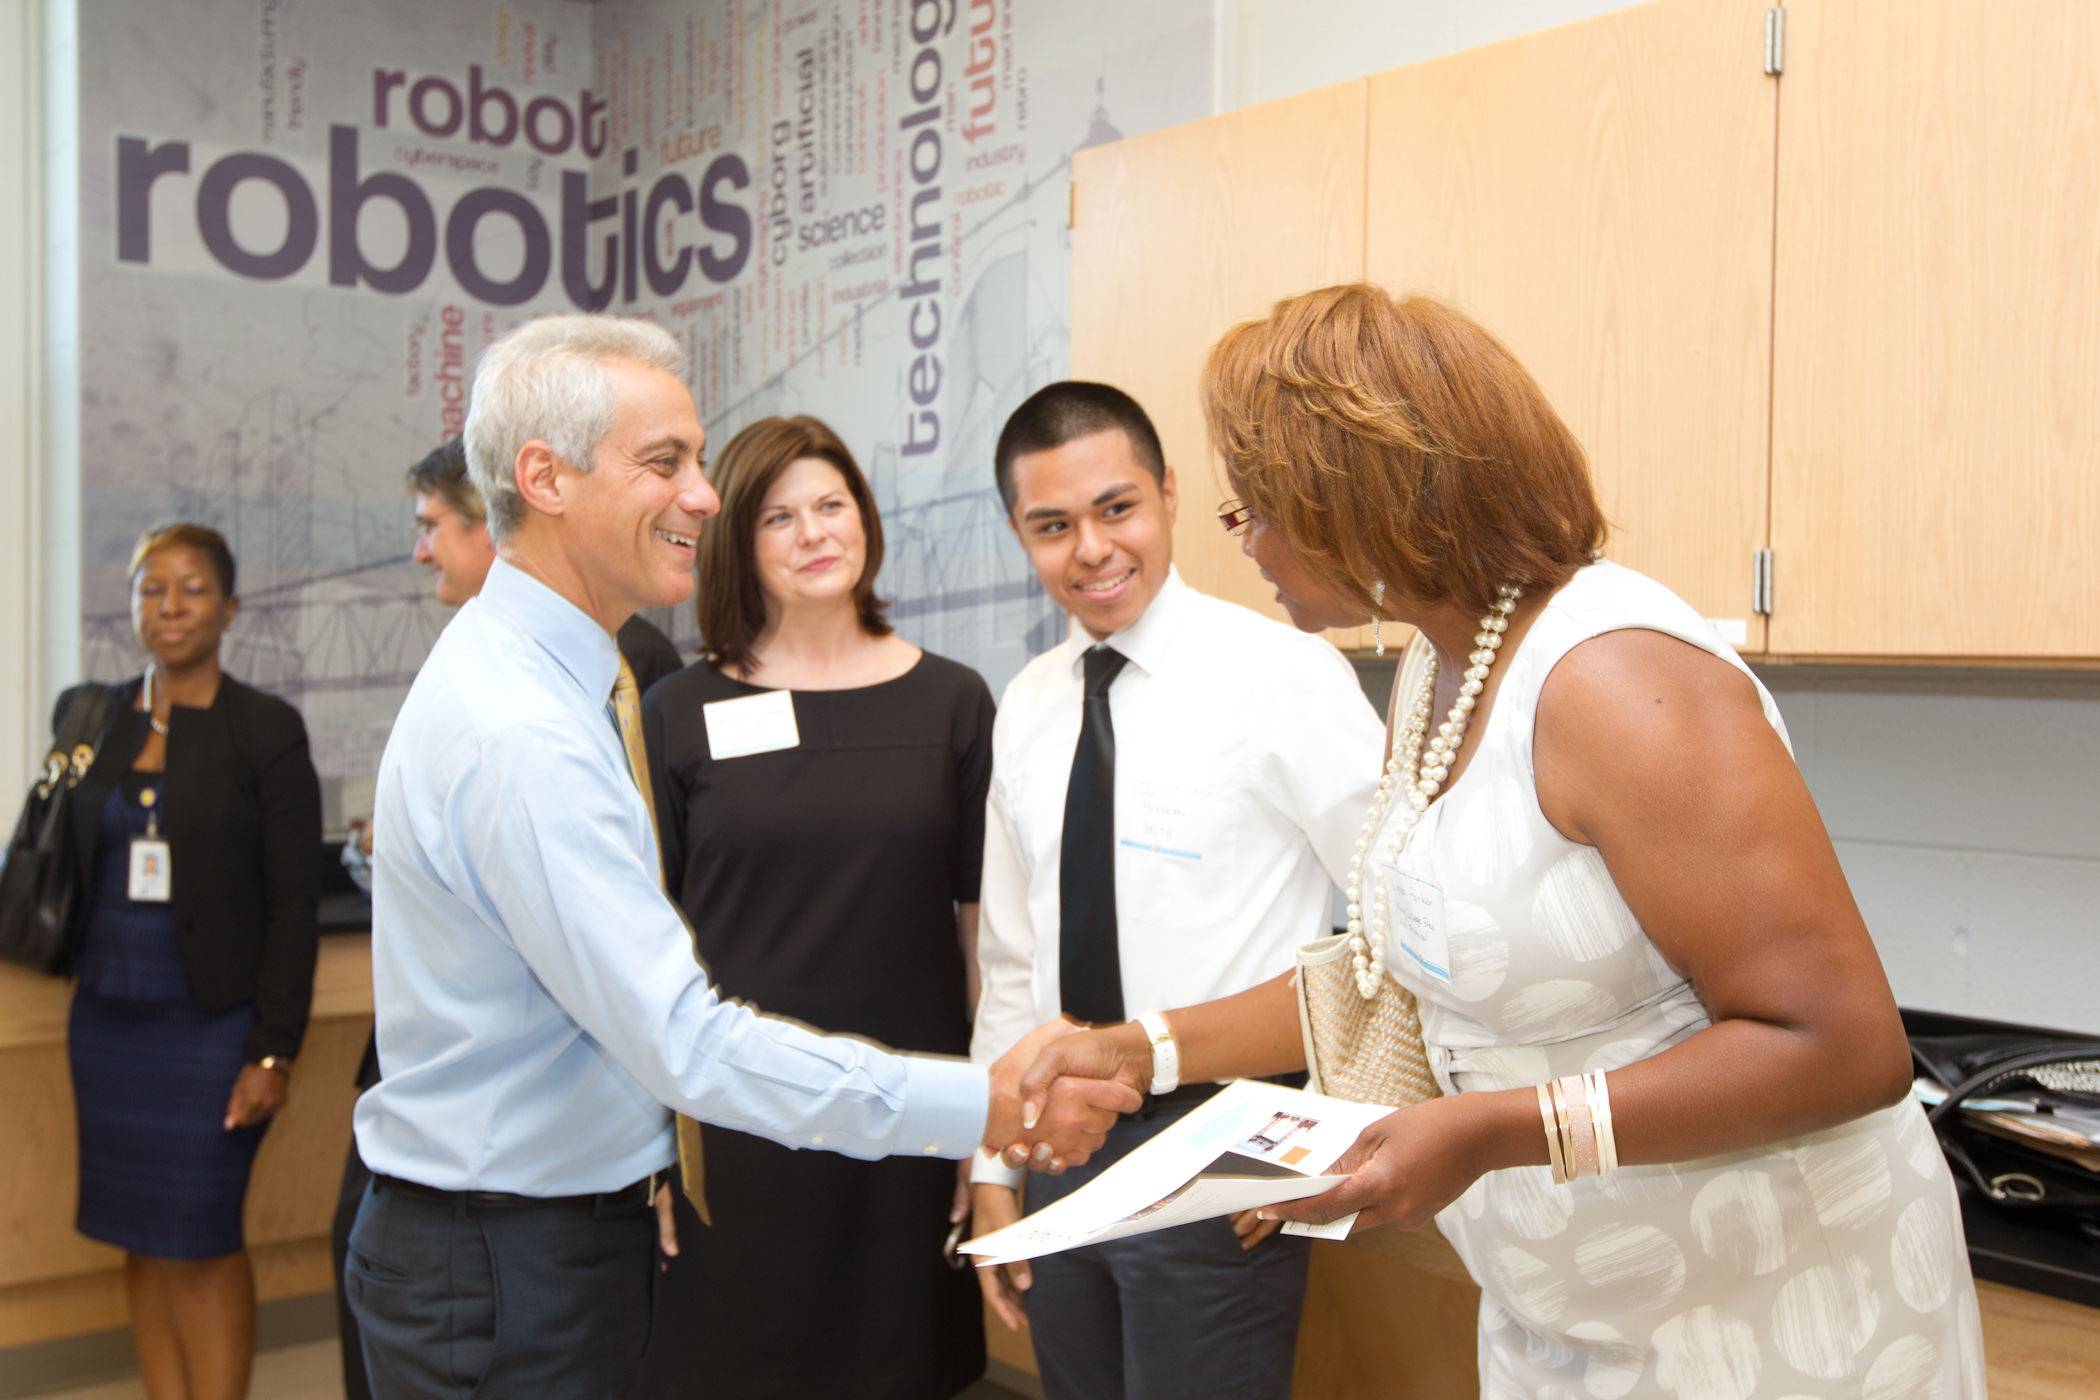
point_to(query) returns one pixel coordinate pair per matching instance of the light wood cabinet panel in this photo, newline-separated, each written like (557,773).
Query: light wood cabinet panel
(1600,197)
(1183,233)
(1392,1314)
(1935,419)
(291,1195)
(53,1281)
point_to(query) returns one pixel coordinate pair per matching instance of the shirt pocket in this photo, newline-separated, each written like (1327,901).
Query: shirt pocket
(1177,857)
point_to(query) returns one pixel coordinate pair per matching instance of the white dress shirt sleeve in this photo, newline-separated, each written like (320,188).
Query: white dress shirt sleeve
(1005,959)
(551,841)
(1324,752)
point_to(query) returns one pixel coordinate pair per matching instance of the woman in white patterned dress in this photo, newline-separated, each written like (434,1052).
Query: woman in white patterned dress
(1621,871)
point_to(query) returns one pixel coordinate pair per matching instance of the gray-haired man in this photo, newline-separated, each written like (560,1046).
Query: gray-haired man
(539,1005)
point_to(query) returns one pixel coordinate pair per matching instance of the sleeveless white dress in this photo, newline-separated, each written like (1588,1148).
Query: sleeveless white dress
(1828,1266)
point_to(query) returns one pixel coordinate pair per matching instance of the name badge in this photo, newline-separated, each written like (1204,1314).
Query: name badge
(152,874)
(1165,821)
(754,724)
(1417,924)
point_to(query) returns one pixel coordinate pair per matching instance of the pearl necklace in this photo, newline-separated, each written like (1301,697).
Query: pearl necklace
(160,726)
(1419,770)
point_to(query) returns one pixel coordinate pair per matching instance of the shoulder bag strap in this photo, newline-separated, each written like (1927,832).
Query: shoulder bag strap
(83,727)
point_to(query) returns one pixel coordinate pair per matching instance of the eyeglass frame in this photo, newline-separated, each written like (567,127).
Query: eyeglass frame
(1236,515)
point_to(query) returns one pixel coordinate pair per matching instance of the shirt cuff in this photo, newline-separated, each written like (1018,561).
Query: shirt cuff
(946,1103)
(987,1169)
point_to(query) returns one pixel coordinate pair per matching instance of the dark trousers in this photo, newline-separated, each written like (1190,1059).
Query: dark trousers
(1175,1313)
(347,1201)
(455,1299)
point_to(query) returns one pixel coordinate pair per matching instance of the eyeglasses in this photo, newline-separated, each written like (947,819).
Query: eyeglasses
(1235,515)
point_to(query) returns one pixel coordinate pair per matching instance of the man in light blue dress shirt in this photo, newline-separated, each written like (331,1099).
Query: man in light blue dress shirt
(539,1005)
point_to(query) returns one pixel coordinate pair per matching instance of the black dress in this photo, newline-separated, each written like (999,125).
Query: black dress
(821,882)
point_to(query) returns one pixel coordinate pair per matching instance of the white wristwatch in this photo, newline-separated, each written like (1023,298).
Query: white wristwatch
(1166,1054)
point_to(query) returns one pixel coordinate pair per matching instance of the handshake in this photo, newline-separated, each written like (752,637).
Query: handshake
(1056,1094)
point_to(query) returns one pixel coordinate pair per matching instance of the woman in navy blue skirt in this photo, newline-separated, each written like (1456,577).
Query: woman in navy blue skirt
(200,827)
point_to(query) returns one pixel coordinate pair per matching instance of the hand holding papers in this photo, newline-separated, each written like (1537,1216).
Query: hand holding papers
(1253,1144)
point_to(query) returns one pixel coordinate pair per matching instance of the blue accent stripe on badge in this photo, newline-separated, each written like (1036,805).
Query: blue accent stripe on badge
(1162,850)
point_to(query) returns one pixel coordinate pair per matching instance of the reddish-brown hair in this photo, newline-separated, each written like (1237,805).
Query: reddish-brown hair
(1396,440)
(731,603)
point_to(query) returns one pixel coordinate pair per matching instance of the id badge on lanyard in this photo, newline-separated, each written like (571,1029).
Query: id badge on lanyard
(152,871)
(1415,896)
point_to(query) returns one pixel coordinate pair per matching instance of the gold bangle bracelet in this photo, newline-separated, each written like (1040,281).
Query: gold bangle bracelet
(1560,1171)
(1601,1124)
(1582,1129)
(1564,1129)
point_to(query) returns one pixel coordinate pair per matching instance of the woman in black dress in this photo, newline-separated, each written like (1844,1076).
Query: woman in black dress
(200,827)
(821,786)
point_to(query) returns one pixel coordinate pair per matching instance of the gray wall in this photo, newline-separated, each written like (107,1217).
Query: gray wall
(1965,807)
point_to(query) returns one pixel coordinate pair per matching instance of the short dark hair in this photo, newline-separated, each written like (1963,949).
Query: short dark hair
(1069,409)
(202,538)
(443,474)
(731,603)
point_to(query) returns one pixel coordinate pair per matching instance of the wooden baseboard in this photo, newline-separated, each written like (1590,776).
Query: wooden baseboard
(1013,1350)
(1013,1378)
(90,1358)
(82,1304)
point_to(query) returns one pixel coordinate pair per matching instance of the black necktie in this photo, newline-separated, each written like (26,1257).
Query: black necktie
(1090,969)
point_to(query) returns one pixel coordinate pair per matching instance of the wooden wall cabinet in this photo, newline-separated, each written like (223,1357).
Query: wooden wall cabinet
(1936,395)
(1181,234)
(1849,314)
(1600,197)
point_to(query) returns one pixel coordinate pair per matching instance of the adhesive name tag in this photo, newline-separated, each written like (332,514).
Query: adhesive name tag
(152,874)
(754,724)
(1166,821)
(1417,927)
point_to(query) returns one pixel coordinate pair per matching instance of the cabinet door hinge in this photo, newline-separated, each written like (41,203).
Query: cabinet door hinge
(1775,42)
(1761,582)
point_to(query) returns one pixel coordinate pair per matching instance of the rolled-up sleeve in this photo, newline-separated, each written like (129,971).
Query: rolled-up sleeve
(556,846)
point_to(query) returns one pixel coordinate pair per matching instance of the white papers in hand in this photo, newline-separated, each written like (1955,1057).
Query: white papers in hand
(1251,1144)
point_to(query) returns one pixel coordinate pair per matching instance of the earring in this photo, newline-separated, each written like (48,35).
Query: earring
(1377,597)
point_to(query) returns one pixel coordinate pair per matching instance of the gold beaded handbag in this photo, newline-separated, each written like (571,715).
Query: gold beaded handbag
(1366,1050)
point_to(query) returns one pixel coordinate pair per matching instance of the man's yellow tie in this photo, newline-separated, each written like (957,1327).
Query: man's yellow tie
(627,708)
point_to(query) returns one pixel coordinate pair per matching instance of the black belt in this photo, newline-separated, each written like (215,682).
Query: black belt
(639,1193)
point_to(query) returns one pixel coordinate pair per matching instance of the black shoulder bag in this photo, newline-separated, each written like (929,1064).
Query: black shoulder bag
(2054,1073)
(43,891)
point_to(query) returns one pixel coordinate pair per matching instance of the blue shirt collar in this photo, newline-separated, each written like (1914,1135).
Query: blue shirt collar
(1146,641)
(564,631)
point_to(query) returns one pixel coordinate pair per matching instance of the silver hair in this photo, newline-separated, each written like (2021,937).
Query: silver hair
(546,382)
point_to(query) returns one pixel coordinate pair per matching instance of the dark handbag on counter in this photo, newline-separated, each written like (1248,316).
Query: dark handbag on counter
(43,890)
(2012,1174)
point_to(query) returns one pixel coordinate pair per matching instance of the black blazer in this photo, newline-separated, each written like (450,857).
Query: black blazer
(243,824)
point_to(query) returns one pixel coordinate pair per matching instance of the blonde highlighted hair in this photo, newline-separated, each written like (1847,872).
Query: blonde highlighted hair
(1394,440)
(202,538)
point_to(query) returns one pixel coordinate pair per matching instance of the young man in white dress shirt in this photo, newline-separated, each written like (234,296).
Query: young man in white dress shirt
(1175,792)
(538,1000)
